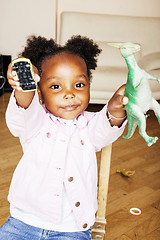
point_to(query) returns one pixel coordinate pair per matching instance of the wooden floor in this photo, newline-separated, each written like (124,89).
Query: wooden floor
(142,190)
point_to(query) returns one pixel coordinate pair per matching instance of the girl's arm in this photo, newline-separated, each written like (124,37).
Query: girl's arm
(107,125)
(23,99)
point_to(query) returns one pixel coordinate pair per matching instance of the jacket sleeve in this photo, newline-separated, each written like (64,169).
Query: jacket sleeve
(101,132)
(24,123)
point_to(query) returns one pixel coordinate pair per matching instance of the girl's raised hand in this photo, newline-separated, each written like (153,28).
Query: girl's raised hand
(13,80)
(116,107)
(23,99)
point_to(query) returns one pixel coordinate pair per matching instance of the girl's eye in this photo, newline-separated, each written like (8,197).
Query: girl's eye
(55,86)
(79,85)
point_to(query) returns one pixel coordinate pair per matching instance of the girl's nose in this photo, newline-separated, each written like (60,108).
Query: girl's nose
(69,95)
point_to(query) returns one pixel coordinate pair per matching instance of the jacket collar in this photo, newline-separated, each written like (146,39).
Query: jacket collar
(80,121)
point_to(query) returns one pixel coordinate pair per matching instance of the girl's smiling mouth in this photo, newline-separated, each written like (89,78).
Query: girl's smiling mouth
(70,107)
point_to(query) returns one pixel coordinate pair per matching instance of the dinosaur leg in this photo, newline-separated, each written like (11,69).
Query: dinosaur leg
(132,124)
(156,108)
(136,115)
(142,130)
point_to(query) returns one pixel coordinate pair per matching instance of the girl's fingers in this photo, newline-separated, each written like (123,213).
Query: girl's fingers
(119,96)
(120,100)
(15,85)
(36,77)
(13,79)
(125,100)
(121,90)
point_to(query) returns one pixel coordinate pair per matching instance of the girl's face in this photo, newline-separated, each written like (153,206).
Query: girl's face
(64,85)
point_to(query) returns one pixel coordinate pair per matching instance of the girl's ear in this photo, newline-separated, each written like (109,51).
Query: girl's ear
(41,101)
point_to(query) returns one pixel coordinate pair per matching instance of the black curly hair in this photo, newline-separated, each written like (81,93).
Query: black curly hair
(38,49)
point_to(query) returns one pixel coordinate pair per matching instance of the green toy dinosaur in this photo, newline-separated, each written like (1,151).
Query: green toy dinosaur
(138,92)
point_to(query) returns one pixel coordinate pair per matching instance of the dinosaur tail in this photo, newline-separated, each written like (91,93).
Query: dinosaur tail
(132,124)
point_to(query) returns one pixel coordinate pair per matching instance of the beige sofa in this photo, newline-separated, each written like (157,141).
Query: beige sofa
(112,70)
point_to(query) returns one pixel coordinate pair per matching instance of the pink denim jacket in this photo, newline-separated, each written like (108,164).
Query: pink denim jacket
(57,154)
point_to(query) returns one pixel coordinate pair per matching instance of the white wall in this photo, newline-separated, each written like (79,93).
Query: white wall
(149,8)
(122,7)
(21,18)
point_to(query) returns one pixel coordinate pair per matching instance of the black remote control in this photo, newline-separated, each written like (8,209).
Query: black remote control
(25,74)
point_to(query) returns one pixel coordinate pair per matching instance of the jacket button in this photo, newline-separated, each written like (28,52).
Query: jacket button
(82,142)
(85,225)
(48,134)
(70,179)
(77,204)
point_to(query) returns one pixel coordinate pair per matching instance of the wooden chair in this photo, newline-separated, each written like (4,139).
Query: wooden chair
(98,230)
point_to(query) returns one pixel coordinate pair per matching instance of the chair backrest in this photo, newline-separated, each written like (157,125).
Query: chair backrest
(98,230)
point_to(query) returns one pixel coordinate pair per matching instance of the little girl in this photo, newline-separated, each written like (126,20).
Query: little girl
(53,193)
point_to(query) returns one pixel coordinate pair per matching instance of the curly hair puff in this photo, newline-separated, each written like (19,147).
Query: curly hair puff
(38,49)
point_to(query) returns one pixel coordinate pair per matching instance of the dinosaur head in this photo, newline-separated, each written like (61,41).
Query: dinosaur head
(126,48)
